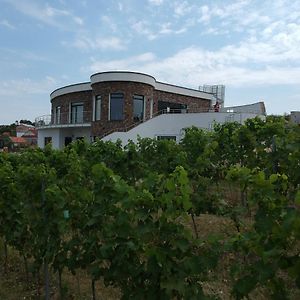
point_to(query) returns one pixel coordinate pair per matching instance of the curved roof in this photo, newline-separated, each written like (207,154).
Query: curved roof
(123,76)
(72,88)
(111,76)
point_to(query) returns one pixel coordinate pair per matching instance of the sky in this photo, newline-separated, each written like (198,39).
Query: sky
(252,47)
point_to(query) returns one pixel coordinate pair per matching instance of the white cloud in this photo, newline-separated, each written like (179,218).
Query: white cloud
(46,13)
(122,64)
(142,28)
(166,28)
(156,2)
(27,86)
(25,98)
(7,24)
(267,61)
(84,42)
(182,8)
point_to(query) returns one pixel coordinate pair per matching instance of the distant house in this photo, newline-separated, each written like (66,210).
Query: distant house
(31,136)
(123,105)
(28,132)
(12,143)
(18,142)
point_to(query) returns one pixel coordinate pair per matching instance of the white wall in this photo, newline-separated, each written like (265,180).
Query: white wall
(173,124)
(54,133)
(74,133)
(256,108)
(58,135)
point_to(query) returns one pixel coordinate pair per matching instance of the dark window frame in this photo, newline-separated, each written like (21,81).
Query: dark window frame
(113,101)
(58,114)
(47,140)
(97,114)
(76,117)
(166,137)
(137,118)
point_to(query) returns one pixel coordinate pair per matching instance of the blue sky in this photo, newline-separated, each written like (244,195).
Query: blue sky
(253,47)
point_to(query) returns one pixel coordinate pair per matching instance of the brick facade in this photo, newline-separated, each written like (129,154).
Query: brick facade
(129,89)
(65,101)
(193,104)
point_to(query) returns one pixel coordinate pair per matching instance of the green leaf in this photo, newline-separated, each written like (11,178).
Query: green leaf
(297,198)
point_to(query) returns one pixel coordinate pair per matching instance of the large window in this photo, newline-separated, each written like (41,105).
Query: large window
(138,108)
(97,108)
(76,113)
(116,107)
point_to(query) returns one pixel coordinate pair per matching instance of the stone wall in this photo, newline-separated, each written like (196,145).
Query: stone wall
(129,89)
(194,104)
(65,101)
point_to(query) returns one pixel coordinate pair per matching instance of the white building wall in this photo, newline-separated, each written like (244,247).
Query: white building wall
(58,135)
(255,108)
(53,133)
(173,125)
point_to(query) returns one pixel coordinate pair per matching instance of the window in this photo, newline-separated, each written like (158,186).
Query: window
(68,140)
(76,113)
(47,140)
(97,108)
(166,137)
(116,106)
(171,107)
(57,115)
(138,108)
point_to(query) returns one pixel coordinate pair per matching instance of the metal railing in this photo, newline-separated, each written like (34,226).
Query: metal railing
(64,119)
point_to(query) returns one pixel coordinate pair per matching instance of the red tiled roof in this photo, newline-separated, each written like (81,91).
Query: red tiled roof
(18,140)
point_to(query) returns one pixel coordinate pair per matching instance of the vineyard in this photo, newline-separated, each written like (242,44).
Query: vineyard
(130,217)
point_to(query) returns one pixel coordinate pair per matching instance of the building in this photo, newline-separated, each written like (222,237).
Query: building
(122,105)
(27,132)
(22,129)
(295,117)
(12,143)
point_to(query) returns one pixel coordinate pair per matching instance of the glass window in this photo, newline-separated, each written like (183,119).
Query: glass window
(98,108)
(77,113)
(116,106)
(166,137)
(57,115)
(138,108)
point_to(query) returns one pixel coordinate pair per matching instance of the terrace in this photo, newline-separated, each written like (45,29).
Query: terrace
(61,120)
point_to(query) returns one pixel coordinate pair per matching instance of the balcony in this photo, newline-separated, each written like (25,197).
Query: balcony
(79,119)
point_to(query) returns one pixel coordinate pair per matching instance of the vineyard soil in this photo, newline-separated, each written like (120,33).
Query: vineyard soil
(13,285)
